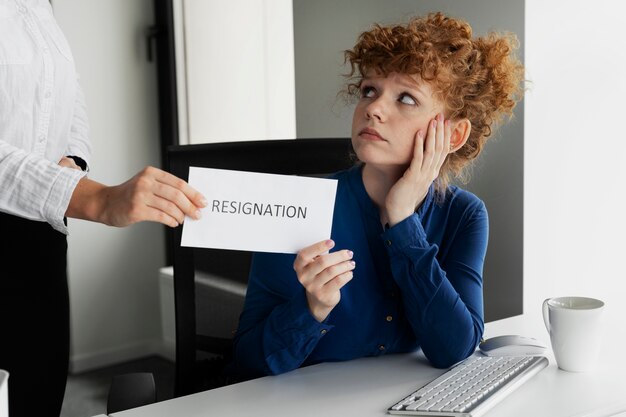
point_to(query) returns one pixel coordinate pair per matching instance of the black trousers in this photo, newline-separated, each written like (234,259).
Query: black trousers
(34,316)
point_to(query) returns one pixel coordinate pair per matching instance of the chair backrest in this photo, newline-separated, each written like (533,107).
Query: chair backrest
(306,157)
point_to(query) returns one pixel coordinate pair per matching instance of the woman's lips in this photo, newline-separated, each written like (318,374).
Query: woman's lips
(370,134)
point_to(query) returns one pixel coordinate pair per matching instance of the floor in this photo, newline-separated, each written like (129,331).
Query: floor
(86,394)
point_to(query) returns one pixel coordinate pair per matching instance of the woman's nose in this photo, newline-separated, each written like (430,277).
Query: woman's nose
(375,110)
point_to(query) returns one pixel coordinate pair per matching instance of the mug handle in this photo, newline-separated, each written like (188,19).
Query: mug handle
(546,318)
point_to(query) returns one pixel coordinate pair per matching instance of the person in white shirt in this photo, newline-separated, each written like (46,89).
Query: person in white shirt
(44,155)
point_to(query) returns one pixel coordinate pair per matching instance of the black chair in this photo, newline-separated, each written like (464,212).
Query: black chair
(307,157)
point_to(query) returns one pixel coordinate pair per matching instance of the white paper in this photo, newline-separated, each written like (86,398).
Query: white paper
(260,212)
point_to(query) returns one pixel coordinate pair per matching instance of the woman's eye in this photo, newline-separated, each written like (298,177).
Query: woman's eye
(407,99)
(367,92)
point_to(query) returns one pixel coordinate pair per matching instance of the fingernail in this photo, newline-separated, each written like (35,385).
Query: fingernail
(433,123)
(420,134)
(353,264)
(330,243)
(197,215)
(204,202)
(350,254)
(440,117)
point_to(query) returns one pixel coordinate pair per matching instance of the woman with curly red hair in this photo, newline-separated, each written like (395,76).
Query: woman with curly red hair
(409,274)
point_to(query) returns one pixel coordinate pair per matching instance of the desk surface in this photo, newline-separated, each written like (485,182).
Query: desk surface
(368,386)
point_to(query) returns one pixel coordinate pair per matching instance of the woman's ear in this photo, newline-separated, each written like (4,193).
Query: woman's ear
(460,133)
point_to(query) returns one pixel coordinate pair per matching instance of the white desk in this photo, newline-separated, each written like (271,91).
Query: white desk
(4,389)
(368,386)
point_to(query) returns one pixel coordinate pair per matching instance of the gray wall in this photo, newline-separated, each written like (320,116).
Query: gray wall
(324,28)
(113,272)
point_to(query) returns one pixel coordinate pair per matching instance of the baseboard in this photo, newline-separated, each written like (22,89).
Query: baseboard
(107,357)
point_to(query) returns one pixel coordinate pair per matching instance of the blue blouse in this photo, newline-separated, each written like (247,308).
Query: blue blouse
(416,285)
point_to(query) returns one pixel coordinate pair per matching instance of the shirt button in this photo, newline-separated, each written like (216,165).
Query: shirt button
(47,94)
(42,138)
(324,331)
(389,318)
(388,242)
(381,347)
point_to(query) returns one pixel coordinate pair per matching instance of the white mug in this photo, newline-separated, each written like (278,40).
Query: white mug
(574,325)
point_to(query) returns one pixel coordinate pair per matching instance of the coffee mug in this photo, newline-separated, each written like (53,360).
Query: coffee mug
(574,325)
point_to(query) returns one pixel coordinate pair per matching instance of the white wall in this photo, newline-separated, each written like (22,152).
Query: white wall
(575,221)
(574,204)
(574,198)
(235,70)
(113,272)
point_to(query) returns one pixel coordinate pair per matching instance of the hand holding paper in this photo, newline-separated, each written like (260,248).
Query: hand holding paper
(260,212)
(323,274)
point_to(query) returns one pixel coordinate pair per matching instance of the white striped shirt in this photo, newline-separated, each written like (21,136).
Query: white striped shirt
(42,114)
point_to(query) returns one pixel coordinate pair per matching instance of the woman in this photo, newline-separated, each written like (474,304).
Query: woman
(409,274)
(44,154)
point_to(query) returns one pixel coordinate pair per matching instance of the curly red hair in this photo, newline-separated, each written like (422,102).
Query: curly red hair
(479,79)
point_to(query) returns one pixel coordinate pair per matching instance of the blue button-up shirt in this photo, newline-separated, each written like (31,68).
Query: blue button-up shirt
(416,285)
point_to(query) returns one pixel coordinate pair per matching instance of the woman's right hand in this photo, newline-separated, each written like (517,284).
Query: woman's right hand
(323,274)
(151,195)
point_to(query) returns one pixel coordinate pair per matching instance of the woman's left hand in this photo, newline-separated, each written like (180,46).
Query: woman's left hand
(428,156)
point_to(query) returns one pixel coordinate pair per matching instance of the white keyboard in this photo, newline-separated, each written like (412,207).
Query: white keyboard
(471,387)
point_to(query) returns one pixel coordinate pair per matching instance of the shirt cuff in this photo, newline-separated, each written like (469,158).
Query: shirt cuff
(408,233)
(60,196)
(300,316)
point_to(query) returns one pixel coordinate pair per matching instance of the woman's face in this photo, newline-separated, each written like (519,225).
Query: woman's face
(388,116)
